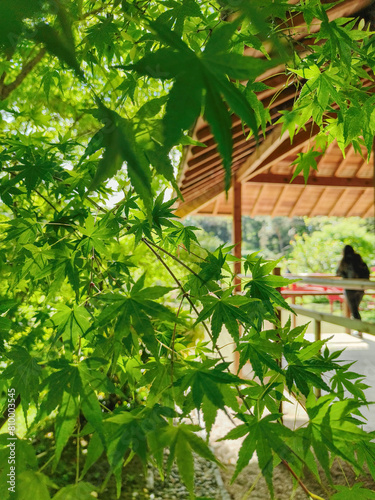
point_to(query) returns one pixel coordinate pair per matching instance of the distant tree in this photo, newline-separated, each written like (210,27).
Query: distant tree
(321,250)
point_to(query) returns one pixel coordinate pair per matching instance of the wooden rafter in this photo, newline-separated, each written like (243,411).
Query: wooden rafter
(294,208)
(200,201)
(360,198)
(216,207)
(338,202)
(271,143)
(316,208)
(349,209)
(255,205)
(321,181)
(278,201)
(368,207)
(274,149)
(370,212)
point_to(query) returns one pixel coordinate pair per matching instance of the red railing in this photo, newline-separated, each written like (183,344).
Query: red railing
(334,294)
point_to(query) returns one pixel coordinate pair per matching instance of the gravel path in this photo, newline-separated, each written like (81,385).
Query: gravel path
(208,483)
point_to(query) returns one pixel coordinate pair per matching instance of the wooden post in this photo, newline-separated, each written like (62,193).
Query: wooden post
(277,272)
(347,314)
(237,231)
(237,241)
(294,317)
(317,333)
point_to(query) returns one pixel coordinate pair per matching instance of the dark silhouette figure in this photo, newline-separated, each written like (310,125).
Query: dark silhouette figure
(352,266)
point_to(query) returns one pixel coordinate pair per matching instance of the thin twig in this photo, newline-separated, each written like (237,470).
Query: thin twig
(147,241)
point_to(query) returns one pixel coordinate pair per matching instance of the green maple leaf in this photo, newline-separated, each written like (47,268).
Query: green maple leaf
(182,442)
(304,162)
(332,428)
(58,45)
(98,235)
(25,373)
(356,492)
(34,481)
(259,353)
(176,16)
(225,311)
(118,139)
(206,382)
(202,81)
(304,377)
(366,454)
(136,310)
(184,234)
(66,421)
(267,439)
(133,430)
(81,490)
(162,213)
(71,323)
(66,377)
(342,380)
(71,388)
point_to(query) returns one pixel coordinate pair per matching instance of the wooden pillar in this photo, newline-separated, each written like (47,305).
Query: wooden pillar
(237,241)
(277,272)
(347,314)
(237,231)
(294,317)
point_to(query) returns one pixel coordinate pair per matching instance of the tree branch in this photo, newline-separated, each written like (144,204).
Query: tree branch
(6,90)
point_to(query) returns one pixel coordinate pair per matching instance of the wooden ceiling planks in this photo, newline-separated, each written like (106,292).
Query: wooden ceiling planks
(341,186)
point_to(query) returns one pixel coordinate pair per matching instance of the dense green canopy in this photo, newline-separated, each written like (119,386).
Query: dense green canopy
(104,294)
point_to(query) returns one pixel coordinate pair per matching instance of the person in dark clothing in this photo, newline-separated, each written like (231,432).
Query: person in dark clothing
(352,267)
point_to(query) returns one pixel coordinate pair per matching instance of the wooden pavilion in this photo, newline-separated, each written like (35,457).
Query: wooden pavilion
(261,173)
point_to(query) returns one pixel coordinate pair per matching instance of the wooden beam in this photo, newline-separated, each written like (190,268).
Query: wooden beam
(242,150)
(271,143)
(196,191)
(299,29)
(355,324)
(200,201)
(237,231)
(316,180)
(270,102)
(275,148)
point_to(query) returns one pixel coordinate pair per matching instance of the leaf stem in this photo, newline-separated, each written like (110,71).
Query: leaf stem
(78,449)
(174,337)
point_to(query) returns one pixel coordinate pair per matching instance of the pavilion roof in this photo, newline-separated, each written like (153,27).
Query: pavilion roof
(340,187)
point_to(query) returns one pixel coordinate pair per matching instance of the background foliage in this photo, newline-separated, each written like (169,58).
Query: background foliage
(95,97)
